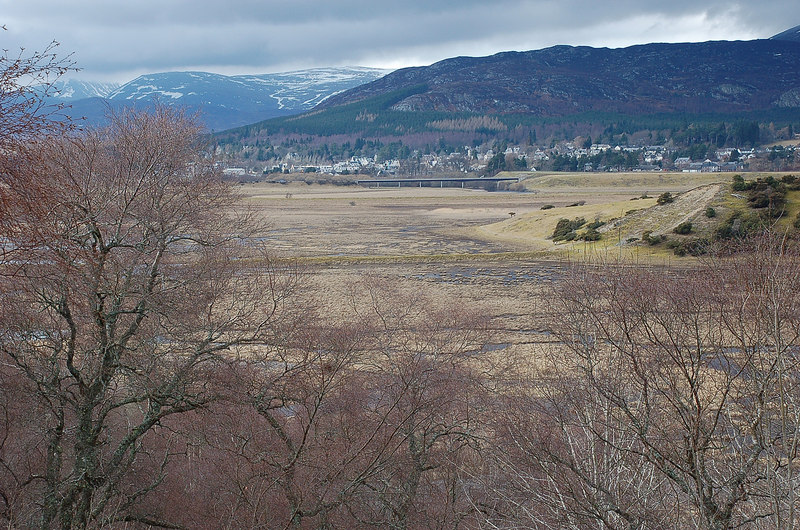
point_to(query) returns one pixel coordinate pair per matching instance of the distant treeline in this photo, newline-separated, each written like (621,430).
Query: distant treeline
(365,128)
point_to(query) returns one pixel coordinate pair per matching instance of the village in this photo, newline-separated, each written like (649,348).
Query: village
(563,156)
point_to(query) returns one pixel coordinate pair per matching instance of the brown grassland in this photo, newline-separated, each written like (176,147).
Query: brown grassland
(464,245)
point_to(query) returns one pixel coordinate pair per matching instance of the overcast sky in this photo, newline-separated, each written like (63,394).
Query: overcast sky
(117,40)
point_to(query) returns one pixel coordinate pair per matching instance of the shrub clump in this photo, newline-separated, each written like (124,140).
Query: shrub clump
(710,212)
(591,234)
(650,239)
(792,182)
(738,183)
(767,194)
(693,247)
(738,225)
(665,198)
(565,229)
(547,207)
(683,228)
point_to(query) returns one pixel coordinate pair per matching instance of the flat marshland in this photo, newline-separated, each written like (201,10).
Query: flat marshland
(490,250)
(313,221)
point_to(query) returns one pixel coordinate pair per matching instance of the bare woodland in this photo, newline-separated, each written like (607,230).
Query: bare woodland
(160,368)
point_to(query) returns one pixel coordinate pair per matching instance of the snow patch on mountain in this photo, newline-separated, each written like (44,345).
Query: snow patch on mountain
(73,89)
(230,101)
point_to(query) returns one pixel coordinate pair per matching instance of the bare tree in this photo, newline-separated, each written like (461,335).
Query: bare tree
(309,445)
(669,399)
(763,318)
(127,284)
(562,461)
(356,420)
(431,379)
(26,80)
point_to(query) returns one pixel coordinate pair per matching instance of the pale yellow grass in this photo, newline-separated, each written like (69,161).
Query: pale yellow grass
(625,222)
(662,219)
(300,190)
(631,181)
(341,224)
(536,228)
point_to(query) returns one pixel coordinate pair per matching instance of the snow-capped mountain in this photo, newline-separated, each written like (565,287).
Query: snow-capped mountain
(73,89)
(223,101)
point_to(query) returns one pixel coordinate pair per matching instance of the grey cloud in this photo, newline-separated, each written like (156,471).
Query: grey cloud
(110,37)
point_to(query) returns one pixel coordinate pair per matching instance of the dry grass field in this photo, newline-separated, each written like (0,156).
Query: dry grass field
(401,223)
(464,244)
(316,223)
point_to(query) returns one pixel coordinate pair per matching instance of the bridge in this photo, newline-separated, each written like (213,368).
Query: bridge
(431,181)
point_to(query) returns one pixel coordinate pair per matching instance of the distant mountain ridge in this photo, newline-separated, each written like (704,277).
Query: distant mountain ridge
(222,101)
(792,35)
(74,90)
(719,76)
(716,77)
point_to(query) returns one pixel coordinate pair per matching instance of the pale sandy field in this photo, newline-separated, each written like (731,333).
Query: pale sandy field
(319,221)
